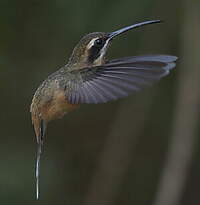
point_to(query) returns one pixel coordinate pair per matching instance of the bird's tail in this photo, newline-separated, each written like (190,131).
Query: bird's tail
(39,152)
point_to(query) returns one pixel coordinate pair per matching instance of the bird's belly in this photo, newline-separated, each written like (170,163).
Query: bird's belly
(58,107)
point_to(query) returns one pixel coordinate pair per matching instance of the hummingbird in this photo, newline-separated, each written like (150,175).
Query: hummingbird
(89,77)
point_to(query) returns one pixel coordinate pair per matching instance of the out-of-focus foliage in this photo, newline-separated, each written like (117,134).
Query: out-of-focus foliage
(37,38)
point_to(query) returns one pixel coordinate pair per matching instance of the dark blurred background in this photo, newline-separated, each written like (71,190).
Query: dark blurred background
(142,150)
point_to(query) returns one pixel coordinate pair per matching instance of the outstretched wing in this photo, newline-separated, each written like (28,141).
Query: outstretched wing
(119,78)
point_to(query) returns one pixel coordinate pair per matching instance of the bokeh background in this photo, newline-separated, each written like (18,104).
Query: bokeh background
(142,150)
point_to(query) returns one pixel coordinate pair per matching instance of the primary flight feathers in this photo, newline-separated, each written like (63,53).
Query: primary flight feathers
(118,78)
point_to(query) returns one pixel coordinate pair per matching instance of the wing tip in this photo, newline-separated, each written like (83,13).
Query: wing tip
(170,66)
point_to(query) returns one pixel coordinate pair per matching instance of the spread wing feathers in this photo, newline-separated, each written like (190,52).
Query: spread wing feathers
(119,78)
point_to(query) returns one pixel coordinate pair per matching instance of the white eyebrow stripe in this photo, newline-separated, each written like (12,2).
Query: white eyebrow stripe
(91,43)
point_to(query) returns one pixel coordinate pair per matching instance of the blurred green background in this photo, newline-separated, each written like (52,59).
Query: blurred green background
(140,150)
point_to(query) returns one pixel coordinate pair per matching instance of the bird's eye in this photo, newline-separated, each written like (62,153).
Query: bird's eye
(98,42)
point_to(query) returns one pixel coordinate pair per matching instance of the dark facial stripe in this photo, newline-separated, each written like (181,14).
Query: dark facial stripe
(94,53)
(95,50)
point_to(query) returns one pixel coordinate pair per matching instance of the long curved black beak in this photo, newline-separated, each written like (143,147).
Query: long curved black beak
(125,29)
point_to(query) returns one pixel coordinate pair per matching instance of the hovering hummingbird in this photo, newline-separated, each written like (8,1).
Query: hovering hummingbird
(89,78)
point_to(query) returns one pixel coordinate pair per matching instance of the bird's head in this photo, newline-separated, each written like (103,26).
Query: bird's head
(91,49)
